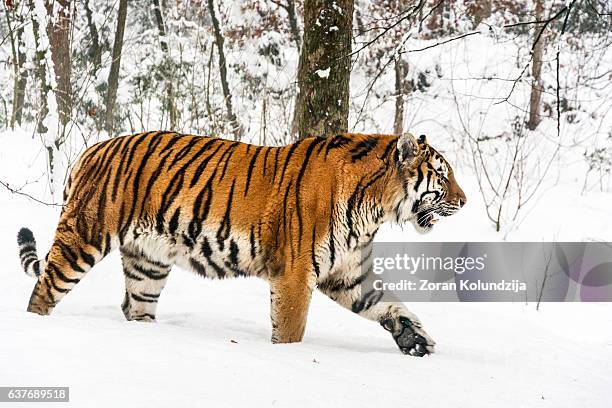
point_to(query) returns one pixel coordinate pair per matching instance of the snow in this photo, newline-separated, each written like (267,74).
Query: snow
(323,73)
(212,338)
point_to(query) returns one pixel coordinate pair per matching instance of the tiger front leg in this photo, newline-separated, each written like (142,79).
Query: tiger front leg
(393,316)
(290,293)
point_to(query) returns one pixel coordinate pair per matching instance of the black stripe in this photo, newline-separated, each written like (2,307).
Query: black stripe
(173,225)
(36,268)
(49,292)
(363,148)
(276,152)
(140,316)
(429,174)
(150,273)
(337,142)
(375,177)
(233,253)
(419,178)
(265,163)
(367,301)
(252,240)
(87,258)
(288,157)
(118,173)
(27,249)
(357,281)
(184,151)
(107,244)
(200,214)
(154,177)
(224,229)
(250,170)
(135,143)
(143,161)
(350,208)
(94,237)
(298,182)
(202,166)
(142,299)
(70,256)
(198,267)
(332,244)
(229,152)
(313,251)
(388,149)
(195,156)
(207,252)
(57,273)
(150,295)
(130,275)
(27,263)
(53,284)
(168,197)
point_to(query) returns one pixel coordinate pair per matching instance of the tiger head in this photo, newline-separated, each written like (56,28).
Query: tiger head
(428,190)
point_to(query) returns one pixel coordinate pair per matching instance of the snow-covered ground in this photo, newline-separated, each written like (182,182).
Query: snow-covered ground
(211,347)
(211,344)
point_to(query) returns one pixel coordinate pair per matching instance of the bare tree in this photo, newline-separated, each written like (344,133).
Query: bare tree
(293,23)
(40,71)
(167,68)
(58,30)
(536,70)
(19,59)
(233,120)
(113,76)
(322,105)
(401,70)
(95,51)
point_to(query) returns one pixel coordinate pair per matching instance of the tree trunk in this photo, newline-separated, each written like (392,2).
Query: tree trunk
(359,18)
(58,30)
(293,24)
(41,72)
(161,27)
(94,51)
(322,104)
(167,68)
(401,69)
(19,59)
(236,128)
(113,76)
(536,70)
(23,74)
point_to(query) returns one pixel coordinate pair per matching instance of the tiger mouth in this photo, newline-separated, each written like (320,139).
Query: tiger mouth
(428,218)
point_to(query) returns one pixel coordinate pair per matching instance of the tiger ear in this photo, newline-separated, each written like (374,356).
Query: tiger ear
(407,148)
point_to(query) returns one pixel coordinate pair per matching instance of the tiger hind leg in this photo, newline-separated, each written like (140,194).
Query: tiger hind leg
(145,278)
(69,259)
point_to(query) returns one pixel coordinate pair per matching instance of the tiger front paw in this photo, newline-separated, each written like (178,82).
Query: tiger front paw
(409,336)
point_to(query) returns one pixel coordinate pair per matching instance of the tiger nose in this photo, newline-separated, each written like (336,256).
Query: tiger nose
(461,201)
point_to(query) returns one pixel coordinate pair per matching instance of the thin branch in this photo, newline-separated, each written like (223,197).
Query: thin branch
(411,13)
(441,42)
(21,193)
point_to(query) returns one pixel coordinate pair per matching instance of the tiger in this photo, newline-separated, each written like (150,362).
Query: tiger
(298,216)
